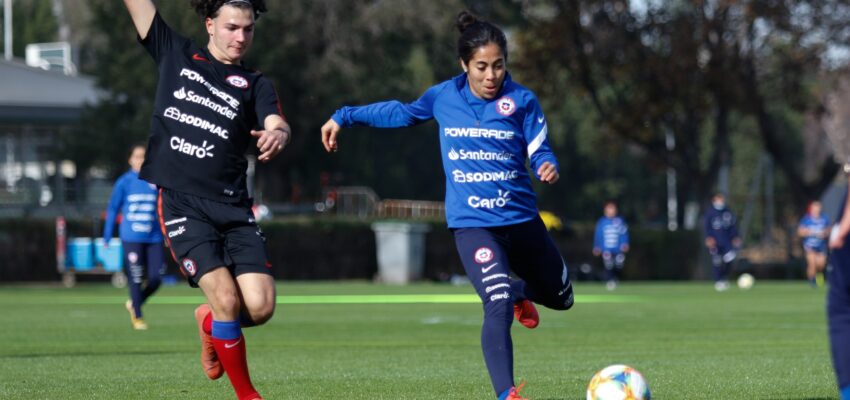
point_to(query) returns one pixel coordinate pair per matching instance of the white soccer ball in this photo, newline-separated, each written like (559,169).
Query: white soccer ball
(746,281)
(618,382)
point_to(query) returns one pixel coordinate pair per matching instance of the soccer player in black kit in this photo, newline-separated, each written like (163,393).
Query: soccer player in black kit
(208,110)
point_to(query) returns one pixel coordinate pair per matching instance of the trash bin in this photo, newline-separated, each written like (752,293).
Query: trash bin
(401,251)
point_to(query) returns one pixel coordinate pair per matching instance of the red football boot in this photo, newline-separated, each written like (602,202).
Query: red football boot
(526,313)
(209,360)
(514,393)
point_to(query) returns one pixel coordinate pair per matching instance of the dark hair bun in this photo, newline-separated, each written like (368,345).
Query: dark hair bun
(465,20)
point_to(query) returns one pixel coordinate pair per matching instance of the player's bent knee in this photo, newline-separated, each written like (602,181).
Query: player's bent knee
(225,304)
(263,315)
(563,301)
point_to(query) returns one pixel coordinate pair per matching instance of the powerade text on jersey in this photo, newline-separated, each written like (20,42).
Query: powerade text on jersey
(203,114)
(484,145)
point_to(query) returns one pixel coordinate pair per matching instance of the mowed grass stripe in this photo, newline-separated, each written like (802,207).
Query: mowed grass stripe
(316,299)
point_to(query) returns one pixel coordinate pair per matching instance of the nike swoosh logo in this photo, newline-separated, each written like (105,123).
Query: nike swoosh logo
(232,345)
(540,120)
(486,269)
(198,57)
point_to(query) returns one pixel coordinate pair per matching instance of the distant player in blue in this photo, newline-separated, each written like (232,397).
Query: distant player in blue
(611,241)
(838,300)
(489,127)
(721,239)
(141,237)
(814,229)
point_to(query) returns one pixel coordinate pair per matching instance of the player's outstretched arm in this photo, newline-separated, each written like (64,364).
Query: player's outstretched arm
(330,130)
(142,13)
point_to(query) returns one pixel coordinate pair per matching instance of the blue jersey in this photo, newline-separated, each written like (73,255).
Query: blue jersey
(722,226)
(135,199)
(484,146)
(816,227)
(611,234)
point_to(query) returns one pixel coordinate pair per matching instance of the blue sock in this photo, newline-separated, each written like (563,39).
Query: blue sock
(497,345)
(226,330)
(718,273)
(134,276)
(504,395)
(845,393)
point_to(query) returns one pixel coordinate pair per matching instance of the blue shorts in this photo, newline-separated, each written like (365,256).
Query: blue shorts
(490,254)
(140,258)
(815,249)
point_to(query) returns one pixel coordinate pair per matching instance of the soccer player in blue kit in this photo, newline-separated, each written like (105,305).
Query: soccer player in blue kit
(838,298)
(208,110)
(721,239)
(814,229)
(141,237)
(611,241)
(489,127)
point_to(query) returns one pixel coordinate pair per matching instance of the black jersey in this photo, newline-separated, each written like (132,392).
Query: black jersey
(203,114)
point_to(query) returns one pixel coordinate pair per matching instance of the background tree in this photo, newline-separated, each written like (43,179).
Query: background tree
(703,71)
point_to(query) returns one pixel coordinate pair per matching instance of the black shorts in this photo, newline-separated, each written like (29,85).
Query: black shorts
(205,234)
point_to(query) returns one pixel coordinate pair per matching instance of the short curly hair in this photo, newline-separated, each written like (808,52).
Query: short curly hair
(210,8)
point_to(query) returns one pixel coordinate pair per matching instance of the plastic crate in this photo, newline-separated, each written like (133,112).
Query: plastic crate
(110,257)
(80,256)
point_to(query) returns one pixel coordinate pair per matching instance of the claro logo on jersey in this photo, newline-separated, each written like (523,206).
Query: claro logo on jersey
(479,155)
(496,202)
(487,176)
(175,114)
(196,77)
(193,97)
(183,146)
(478,133)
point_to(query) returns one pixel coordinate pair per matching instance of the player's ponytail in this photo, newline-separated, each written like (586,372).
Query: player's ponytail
(210,8)
(475,33)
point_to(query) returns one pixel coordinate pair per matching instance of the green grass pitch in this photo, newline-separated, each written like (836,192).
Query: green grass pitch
(364,341)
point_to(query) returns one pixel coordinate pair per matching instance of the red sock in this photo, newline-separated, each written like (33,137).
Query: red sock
(208,324)
(231,353)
